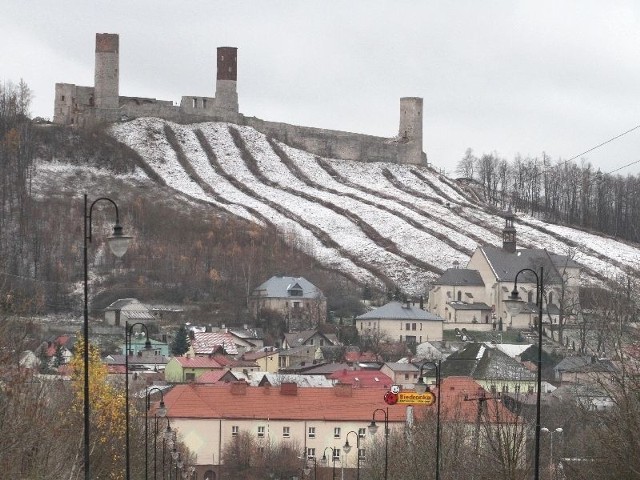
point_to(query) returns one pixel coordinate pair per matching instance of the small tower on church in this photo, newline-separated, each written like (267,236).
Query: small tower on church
(509,233)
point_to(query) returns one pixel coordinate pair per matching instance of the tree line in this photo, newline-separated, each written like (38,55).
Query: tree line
(558,191)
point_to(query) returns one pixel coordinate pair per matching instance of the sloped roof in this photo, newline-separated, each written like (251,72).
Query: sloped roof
(137,359)
(275,379)
(208,342)
(506,265)
(399,311)
(480,361)
(197,362)
(584,364)
(460,277)
(196,400)
(297,339)
(279,286)
(214,376)
(401,367)
(362,378)
(469,306)
(121,302)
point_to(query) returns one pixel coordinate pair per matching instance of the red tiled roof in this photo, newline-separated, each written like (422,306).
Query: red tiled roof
(208,342)
(213,376)
(341,403)
(198,362)
(362,378)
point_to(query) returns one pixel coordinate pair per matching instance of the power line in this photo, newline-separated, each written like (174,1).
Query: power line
(604,143)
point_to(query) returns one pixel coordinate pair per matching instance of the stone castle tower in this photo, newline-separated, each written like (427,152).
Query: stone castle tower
(83,105)
(106,79)
(227,77)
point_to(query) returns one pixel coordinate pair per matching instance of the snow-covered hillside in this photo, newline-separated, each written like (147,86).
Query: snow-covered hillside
(380,223)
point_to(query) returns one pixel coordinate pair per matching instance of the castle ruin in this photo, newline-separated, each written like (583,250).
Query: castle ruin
(82,106)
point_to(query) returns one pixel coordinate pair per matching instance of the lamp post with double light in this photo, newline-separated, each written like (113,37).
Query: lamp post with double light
(373,428)
(421,387)
(347,449)
(127,344)
(324,461)
(514,305)
(161,412)
(552,469)
(118,243)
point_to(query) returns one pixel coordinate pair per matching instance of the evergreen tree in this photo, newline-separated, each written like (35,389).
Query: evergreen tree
(180,344)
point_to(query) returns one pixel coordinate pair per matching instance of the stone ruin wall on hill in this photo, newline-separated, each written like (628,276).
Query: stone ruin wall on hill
(82,106)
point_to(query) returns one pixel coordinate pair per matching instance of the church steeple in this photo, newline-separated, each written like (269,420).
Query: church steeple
(509,233)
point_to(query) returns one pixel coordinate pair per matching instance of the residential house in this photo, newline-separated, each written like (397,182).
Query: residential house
(494,370)
(301,303)
(128,310)
(267,359)
(299,357)
(208,343)
(138,345)
(60,349)
(189,368)
(402,322)
(404,374)
(362,378)
(209,417)
(311,338)
(584,369)
(474,297)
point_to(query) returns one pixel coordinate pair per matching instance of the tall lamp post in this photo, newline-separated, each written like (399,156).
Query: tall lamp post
(168,439)
(347,449)
(127,347)
(118,243)
(551,462)
(161,412)
(307,469)
(324,461)
(421,387)
(514,304)
(373,428)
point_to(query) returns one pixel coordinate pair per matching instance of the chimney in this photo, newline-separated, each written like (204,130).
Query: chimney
(239,388)
(289,388)
(343,390)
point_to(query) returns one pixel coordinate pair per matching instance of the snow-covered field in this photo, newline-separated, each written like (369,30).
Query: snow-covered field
(376,222)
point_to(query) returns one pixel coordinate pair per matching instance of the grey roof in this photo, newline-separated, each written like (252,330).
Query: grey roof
(297,339)
(585,363)
(469,306)
(460,277)
(122,302)
(401,367)
(562,261)
(481,362)
(399,311)
(506,265)
(279,286)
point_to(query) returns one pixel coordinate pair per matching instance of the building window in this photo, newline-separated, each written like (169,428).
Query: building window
(311,453)
(420,326)
(296,305)
(362,432)
(312,432)
(505,388)
(530,389)
(336,432)
(204,103)
(285,432)
(261,431)
(195,103)
(407,326)
(361,453)
(493,389)
(235,429)
(413,326)
(336,454)
(62,98)
(189,377)
(459,295)
(322,343)
(517,388)
(406,376)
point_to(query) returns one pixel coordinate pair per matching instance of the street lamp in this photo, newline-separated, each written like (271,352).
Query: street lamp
(347,449)
(421,388)
(324,461)
(551,462)
(118,244)
(514,304)
(161,412)
(168,439)
(373,428)
(127,345)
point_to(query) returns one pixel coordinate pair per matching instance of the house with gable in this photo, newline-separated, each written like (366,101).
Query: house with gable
(402,322)
(301,303)
(128,310)
(474,297)
(496,371)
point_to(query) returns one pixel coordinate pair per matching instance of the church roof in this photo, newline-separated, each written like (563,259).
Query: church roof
(460,277)
(506,265)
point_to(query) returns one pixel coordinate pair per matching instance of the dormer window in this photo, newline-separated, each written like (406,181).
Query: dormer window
(295,290)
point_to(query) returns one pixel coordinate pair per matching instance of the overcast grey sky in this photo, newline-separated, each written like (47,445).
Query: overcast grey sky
(505,76)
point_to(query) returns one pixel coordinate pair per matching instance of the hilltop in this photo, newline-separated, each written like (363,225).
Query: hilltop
(382,224)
